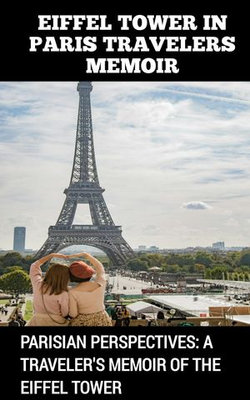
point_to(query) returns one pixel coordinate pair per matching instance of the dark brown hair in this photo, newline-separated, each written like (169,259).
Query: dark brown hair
(56,279)
(78,280)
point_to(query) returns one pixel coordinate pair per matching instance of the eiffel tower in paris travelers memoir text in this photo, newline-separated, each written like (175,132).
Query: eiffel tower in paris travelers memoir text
(84,188)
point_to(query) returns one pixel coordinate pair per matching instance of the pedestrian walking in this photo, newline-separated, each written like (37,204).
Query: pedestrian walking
(14,322)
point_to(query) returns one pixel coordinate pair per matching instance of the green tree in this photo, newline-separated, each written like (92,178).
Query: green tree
(172,259)
(203,258)
(186,259)
(234,276)
(245,258)
(15,282)
(231,259)
(247,276)
(218,272)
(155,260)
(199,268)
(245,268)
(137,265)
(208,274)
(14,268)
(173,268)
(191,269)
(12,258)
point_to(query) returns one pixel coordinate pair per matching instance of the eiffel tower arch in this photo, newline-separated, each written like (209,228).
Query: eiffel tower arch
(84,188)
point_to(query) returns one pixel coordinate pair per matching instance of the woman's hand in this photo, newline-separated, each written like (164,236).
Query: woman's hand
(77,255)
(48,257)
(58,255)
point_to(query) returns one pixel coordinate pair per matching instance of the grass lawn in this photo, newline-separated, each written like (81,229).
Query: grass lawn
(4,301)
(28,310)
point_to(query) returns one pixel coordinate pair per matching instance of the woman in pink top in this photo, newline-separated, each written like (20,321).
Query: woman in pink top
(51,299)
(87,298)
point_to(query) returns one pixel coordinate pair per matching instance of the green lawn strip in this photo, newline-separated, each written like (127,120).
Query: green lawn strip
(28,310)
(4,301)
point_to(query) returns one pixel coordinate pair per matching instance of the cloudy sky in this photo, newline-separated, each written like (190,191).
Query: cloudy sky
(173,158)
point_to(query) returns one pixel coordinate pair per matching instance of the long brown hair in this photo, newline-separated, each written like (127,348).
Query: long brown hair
(56,279)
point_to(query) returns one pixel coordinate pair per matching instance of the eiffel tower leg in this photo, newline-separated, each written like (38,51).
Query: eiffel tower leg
(125,250)
(116,248)
(50,246)
(68,212)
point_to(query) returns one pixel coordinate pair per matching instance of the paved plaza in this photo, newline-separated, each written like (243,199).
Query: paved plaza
(126,285)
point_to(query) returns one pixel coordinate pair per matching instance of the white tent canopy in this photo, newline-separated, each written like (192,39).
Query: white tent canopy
(240,318)
(141,307)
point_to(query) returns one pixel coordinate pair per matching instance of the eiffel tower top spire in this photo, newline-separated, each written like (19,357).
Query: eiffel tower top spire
(84,85)
(84,169)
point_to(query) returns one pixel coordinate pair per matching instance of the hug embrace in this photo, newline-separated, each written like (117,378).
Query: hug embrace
(55,304)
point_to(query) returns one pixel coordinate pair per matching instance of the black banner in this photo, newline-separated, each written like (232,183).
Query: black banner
(123,362)
(143,44)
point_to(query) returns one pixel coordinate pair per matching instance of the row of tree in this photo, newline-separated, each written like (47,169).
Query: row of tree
(230,265)
(14,268)
(13,259)
(143,261)
(15,282)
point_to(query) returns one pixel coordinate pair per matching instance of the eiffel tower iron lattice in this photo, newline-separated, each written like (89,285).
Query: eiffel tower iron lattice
(84,188)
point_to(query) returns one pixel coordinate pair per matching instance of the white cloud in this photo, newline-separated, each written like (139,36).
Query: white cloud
(196,205)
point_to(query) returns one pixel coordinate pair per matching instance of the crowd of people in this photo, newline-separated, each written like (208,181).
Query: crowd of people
(16,318)
(120,315)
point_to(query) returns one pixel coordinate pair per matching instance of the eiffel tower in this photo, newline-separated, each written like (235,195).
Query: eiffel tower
(84,188)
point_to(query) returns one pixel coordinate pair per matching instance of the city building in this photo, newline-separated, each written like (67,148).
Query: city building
(142,247)
(218,246)
(153,248)
(19,239)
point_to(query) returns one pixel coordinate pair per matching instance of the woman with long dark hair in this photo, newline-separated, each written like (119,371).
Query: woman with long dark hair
(51,299)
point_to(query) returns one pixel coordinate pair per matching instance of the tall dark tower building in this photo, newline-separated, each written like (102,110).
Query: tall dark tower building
(19,238)
(84,188)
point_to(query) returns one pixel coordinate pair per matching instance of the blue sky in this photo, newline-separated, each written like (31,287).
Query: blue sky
(173,158)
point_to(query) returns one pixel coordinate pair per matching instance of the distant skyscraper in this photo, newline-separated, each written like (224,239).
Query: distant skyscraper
(218,246)
(19,238)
